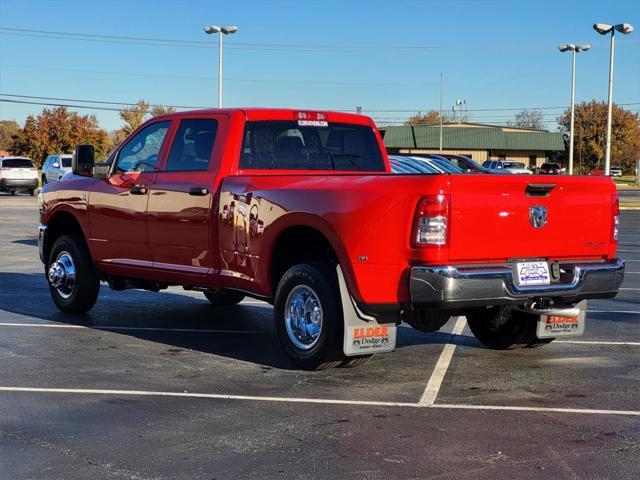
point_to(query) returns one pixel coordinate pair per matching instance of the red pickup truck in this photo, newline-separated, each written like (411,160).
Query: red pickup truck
(301,209)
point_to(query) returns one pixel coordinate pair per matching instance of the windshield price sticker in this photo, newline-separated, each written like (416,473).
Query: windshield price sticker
(313,123)
(533,273)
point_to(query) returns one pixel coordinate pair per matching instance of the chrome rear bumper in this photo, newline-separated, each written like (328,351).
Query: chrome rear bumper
(449,287)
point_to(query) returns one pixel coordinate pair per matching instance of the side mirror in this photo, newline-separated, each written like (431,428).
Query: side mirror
(83,160)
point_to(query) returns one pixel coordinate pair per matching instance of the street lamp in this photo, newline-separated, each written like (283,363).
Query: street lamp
(211,29)
(575,49)
(604,29)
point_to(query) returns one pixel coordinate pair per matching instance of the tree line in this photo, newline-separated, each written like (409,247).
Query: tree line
(58,130)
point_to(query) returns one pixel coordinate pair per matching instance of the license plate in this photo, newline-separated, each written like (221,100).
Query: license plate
(551,326)
(533,273)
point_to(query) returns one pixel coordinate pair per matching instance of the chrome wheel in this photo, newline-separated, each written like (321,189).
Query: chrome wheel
(303,317)
(62,274)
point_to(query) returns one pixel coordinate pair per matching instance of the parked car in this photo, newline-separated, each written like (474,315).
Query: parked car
(466,163)
(18,173)
(550,169)
(596,172)
(409,165)
(615,171)
(301,209)
(55,167)
(504,165)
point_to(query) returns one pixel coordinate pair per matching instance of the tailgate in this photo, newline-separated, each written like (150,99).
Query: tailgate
(490,217)
(19,173)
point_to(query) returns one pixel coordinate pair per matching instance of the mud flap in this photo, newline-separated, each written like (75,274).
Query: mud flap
(567,322)
(363,335)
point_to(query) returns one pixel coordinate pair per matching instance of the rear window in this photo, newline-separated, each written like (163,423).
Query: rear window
(66,162)
(17,163)
(285,145)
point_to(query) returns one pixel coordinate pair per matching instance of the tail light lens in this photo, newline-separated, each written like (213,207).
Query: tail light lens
(431,220)
(615,216)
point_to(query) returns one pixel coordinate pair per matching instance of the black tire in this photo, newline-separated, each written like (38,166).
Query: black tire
(84,293)
(502,328)
(224,299)
(32,192)
(326,350)
(355,361)
(13,192)
(44,180)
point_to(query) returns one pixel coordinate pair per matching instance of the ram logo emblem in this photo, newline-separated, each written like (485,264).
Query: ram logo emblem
(538,216)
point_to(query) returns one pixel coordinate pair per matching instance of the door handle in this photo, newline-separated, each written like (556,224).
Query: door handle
(198,191)
(138,190)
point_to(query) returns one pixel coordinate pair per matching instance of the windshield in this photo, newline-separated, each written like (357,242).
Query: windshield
(17,163)
(513,165)
(286,145)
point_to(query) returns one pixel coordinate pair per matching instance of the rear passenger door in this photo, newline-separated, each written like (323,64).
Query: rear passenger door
(182,236)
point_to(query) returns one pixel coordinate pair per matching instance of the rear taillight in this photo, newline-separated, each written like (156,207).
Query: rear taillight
(430,226)
(615,216)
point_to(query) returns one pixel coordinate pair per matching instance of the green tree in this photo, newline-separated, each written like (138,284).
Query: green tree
(590,135)
(134,116)
(8,128)
(58,131)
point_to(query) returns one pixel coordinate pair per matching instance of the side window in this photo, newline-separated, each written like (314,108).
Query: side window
(140,154)
(192,145)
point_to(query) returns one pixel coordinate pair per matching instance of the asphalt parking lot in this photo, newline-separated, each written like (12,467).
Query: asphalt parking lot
(163,385)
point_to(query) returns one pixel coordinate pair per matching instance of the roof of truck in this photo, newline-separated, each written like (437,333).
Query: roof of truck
(263,113)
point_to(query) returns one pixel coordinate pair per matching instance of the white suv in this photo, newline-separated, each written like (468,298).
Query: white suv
(615,171)
(55,167)
(18,173)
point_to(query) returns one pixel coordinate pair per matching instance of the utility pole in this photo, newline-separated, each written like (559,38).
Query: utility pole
(441,102)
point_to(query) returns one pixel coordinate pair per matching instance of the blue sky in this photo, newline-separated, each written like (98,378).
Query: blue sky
(381,55)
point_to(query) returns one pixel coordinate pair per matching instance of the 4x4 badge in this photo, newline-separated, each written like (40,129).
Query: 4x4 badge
(538,216)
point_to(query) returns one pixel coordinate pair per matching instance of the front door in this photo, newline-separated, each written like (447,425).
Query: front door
(118,204)
(182,237)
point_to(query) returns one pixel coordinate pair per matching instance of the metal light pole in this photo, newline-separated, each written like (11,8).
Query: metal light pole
(574,49)
(441,121)
(604,29)
(210,29)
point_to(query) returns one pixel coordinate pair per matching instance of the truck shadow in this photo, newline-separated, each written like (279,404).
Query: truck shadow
(243,332)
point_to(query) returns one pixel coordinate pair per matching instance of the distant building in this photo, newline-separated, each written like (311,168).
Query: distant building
(475,140)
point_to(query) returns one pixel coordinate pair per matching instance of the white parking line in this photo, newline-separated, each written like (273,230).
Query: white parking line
(629,288)
(589,411)
(435,381)
(637,312)
(594,342)
(329,401)
(115,327)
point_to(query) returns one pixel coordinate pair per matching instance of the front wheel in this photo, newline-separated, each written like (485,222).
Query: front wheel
(73,280)
(308,316)
(502,328)
(44,180)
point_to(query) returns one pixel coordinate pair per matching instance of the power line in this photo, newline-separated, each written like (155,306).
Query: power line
(155,41)
(188,77)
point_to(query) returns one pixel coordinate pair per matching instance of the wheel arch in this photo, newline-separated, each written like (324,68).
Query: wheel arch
(59,223)
(298,238)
